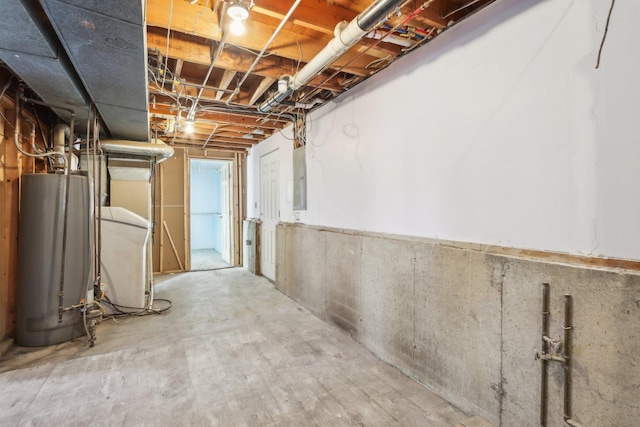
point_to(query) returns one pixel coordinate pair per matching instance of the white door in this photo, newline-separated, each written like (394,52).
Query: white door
(269,212)
(225,211)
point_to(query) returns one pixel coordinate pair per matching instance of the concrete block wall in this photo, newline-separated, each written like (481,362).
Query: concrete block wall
(466,322)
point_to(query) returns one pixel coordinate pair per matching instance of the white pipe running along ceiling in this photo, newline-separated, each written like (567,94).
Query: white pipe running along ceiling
(346,35)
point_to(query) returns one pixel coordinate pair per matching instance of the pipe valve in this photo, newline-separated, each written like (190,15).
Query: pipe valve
(552,350)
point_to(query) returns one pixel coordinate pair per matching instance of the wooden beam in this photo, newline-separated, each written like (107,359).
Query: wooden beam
(10,189)
(210,146)
(234,118)
(204,128)
(176,72)
(194,50)
(173,246)
(261,89)
(226,80)
(285,46)
(185,17)
(317,15)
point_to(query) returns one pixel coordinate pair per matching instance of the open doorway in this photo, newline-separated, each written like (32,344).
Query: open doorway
(211,216)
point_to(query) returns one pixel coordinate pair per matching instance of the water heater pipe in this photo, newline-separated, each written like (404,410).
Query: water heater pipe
(346,35)
(32,137)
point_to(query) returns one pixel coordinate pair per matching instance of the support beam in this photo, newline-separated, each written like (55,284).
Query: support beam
(235,118)
(226,80)
(317,15)
(286,48)
(261,89)
(195,50)
(205,23)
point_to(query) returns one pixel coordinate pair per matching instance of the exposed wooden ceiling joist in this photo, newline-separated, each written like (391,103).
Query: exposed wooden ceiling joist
(189,34)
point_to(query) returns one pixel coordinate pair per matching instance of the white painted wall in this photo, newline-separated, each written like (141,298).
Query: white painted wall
(206,224)
(500,131)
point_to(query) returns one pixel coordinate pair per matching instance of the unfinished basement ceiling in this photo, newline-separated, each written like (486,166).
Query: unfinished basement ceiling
(193,72)
(202,73)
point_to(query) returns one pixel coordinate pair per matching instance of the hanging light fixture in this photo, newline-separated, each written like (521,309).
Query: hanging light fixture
(238,11)
(188,126)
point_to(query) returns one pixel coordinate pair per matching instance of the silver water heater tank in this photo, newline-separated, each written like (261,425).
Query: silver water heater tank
(40,258)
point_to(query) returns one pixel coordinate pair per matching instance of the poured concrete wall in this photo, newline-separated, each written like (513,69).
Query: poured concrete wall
(466,322)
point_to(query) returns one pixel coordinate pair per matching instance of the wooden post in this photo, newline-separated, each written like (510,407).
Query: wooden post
(5,320)
(12,169)
(187,211)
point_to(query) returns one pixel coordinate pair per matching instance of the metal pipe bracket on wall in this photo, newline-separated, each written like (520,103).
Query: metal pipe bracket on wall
(555,350)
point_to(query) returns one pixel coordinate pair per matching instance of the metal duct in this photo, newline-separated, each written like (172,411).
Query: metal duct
(346,36)
(375,13)
(153,150)
(105,41)
(29,47)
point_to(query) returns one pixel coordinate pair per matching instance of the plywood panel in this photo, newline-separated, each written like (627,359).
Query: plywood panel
(170,209)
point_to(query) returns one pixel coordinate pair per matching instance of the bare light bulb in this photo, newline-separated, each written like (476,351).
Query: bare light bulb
(188,126)
(237,27)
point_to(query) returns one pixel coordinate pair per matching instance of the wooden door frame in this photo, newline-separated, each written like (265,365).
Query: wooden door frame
(230,204)
(238,165)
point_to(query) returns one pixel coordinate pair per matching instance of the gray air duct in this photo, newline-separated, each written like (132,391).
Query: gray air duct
(346,35)
(153,150)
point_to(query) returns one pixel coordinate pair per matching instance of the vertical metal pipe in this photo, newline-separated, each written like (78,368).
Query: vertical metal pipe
(96,196)
(568,353)
(98,152)
(65,221)
(544,378)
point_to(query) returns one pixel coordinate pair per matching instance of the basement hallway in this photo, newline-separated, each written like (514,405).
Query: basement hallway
(232,351)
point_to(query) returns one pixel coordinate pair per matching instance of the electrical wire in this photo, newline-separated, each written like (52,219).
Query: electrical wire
(604,36)
(377,62)
(2,92)
(301,57)
(5,87)
(139,311)
(168,37)
(6,120)
(44,139)
(471,3)
(195,23)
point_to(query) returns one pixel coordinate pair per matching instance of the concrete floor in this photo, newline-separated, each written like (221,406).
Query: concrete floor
(207,259)
(232,351)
